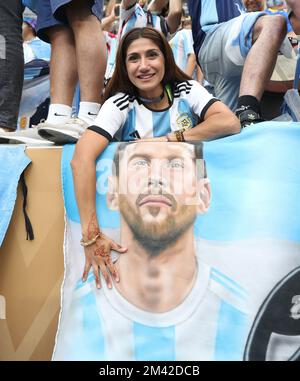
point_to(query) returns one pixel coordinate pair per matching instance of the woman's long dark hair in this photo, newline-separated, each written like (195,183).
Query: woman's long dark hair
(120,81)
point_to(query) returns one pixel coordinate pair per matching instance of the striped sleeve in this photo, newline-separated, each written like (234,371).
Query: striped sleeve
(229,291)
(200,99)
(112,116)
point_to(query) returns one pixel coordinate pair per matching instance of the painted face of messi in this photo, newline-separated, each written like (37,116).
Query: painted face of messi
(158,192)
(145,65)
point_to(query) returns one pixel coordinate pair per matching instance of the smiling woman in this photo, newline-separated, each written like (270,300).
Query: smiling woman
(145,66)
(148,98)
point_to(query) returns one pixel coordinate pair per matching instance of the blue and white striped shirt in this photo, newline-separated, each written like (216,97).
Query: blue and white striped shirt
(182,46)
(136,17)
(126,118)
(211,323)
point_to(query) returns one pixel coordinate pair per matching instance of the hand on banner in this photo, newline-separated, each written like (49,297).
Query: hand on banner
(97,248)
(97,255)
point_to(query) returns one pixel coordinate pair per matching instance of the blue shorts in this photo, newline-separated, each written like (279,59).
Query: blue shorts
(52,13)
(223,54)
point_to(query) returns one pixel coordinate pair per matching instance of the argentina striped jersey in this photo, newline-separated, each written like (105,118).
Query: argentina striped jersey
(182,46)
(126,118)
(136,17)
(210,324)
(207,14)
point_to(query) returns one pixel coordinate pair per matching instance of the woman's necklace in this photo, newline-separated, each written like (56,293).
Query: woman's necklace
(153,100)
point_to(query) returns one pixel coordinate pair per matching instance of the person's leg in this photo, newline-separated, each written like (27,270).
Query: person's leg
(90,56)
(11,62)
(82,18)
(268,34)
(225,50)
(222,63)
(63,69)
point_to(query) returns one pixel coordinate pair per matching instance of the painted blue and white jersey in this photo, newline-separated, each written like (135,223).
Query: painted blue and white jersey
(126,118)
(207,14)
(136,17)
(211,323)
(182,46)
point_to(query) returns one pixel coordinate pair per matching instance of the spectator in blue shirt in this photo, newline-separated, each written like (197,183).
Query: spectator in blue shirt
(237,52)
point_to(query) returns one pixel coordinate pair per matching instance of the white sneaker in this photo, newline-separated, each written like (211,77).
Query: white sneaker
(30,137)
(68,132)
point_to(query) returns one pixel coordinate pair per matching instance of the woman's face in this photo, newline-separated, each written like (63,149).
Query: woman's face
(145,65)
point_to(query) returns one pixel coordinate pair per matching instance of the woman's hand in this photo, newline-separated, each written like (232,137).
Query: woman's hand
(98,255)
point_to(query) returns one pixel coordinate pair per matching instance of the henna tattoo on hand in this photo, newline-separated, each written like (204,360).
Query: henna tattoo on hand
(100,251)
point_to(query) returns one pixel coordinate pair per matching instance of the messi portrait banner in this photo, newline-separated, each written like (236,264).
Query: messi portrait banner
(212,267)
